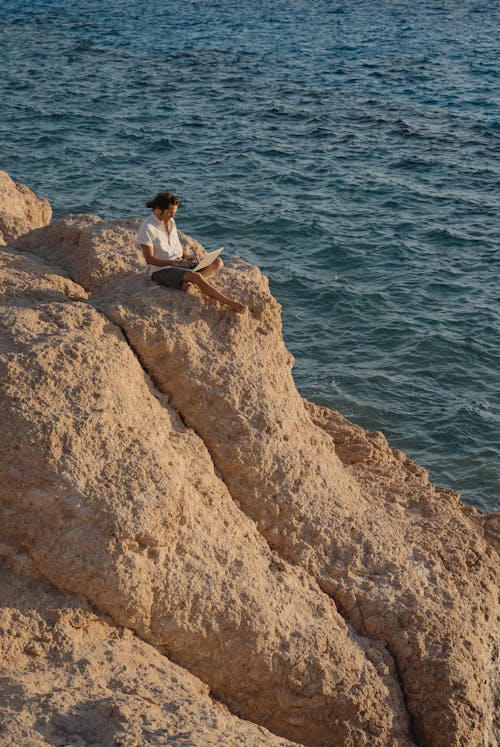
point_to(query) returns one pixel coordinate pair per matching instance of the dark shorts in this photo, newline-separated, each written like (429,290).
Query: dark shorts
(170,277)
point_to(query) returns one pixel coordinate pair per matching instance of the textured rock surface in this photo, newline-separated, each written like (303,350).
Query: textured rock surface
(305,571)
(71,677)
(20,209)
(115,498)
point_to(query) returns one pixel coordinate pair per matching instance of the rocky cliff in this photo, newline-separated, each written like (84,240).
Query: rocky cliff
(20,210)
(193,552)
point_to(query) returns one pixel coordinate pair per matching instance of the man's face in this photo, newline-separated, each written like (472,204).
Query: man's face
(169,213)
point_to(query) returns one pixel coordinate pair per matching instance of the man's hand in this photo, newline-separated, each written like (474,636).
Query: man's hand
(152,260)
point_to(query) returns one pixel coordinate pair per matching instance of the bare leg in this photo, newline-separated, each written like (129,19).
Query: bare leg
(216,265)
(208,290)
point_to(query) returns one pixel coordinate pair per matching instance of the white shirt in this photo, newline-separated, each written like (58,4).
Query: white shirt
(166,243)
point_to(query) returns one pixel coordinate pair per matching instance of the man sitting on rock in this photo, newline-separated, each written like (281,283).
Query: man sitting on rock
(163,253)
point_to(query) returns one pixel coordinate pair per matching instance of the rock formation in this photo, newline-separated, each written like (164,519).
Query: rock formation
(20,210)
(71,677)
(161,469)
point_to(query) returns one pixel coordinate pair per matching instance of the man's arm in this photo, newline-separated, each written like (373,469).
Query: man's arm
(152,260)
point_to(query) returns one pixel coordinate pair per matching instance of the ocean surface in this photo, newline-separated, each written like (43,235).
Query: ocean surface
(350,149)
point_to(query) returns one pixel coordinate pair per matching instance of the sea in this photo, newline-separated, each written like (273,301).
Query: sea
(350,149)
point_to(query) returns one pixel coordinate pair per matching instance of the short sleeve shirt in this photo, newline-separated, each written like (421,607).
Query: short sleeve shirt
(166,243)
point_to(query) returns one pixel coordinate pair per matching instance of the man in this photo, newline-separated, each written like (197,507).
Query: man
(163,253)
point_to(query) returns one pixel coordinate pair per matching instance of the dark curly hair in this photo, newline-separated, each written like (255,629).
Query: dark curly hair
(163,200)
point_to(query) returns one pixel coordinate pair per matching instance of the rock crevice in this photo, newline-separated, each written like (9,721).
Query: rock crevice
(359,630)
(119,501)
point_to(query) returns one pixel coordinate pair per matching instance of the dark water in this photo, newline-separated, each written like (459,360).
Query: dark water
(350,149)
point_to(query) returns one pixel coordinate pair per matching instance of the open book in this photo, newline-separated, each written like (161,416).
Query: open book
(207,259)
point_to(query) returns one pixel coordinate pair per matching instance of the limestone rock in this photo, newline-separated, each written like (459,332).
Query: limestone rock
(88,682)
(20,210)
(115,498)
(136,494)
(407,564)
(99,251)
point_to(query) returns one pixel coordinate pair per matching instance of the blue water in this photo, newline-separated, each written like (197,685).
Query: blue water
(350,149)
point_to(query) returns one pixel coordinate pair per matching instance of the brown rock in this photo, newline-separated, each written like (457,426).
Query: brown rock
(409,562)
(409,567)
(94,683)
(101,251)
(115,498)
(20,210)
